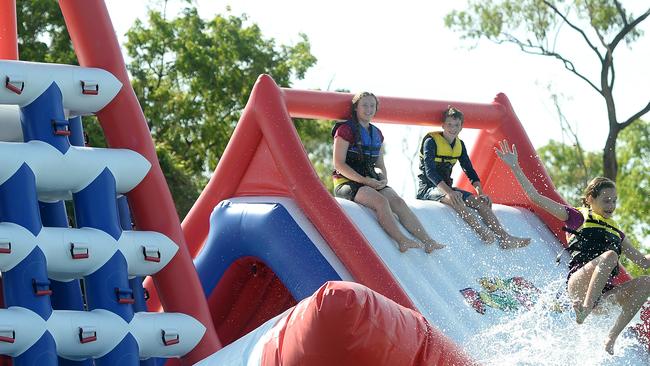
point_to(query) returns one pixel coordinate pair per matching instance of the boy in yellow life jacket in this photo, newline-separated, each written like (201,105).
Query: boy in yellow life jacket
(439,152)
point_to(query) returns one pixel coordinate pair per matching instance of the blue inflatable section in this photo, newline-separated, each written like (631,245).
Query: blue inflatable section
(108,287)
(268,232)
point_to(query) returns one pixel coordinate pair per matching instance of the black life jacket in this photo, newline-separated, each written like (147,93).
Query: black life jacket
(596,236)
(362,155)
(446,156)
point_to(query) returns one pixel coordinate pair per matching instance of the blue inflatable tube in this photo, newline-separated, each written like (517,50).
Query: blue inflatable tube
(43,120)
(65,295)
(124,214)
(268,232)
(108,287)
(26,284)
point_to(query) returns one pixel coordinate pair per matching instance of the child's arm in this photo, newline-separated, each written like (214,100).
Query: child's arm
(383,175)
(510,158)
(635,255)
(469,171)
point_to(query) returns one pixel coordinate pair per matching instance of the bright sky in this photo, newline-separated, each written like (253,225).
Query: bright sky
(402,49)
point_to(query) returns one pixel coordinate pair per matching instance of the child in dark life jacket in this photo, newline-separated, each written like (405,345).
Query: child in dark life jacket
(360,175)
(439,152)
(595,247)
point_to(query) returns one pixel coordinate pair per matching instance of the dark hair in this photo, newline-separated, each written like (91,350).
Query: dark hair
(357,98)
(454,113)
(595,187)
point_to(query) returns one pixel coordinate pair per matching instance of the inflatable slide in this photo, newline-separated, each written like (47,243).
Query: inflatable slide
(267,268)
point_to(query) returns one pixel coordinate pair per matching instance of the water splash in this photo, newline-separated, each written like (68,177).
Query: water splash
(547,335)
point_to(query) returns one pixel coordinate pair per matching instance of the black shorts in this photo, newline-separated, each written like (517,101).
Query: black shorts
(436,194)
(349,189)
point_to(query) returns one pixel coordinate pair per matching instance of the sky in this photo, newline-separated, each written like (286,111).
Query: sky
(402,49)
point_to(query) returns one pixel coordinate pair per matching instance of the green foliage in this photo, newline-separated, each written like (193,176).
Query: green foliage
(633,183)
(539,27)
(570,168)
(571,171)
(317,139)
(515,21)
(184,185)
(42,35)
(193,78)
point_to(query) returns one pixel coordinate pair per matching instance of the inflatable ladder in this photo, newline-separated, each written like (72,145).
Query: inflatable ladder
(47,320)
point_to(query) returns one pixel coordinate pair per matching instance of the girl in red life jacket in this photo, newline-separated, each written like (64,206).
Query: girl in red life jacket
(360,175)
(595,248)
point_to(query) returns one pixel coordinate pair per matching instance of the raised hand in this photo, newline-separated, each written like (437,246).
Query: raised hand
(506,154)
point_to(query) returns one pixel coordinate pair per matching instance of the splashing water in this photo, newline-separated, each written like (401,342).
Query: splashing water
(547,335)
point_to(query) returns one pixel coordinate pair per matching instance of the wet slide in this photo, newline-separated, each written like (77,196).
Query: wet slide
(284,234)
(470,291)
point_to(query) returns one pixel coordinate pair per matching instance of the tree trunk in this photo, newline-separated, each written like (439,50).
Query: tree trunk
(610,165)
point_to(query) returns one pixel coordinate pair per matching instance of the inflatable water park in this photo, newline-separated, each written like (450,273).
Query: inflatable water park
(267,268)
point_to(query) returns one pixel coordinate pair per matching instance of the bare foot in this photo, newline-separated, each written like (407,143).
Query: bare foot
(609,345)
(431,245)
(486,235)
(512,242)
(581,312)
(408,244)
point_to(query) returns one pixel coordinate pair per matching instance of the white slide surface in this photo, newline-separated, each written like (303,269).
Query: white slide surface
(520,335)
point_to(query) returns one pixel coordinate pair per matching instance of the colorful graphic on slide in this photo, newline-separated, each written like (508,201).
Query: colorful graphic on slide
(508,294)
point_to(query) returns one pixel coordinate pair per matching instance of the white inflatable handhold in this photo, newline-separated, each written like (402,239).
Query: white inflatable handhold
(28,80)
(58,175)
(165,334)
(16,243)
(92,247)
(73,332)
(23,325)
(146,252)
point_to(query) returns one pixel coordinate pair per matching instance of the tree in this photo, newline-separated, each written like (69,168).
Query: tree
(571,172)
(42,33)
(535,25)
(569,168)
(193,78)
(317,139)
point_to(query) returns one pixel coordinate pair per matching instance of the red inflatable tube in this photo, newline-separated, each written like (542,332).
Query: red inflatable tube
(8,31)
(346,323)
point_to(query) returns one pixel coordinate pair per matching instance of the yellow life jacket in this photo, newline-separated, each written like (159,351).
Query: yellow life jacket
(595,221)
(444,152)
(596,236)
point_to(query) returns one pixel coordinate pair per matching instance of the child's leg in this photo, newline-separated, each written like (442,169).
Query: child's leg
(631,296)
(409,220)
(369,197)
(485,234)
(490,219)
(586,284)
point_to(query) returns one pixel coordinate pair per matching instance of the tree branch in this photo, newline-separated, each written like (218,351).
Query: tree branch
(612,70)
(621,11)
(636,116)
(628,28)
(576,28)
(541,51)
